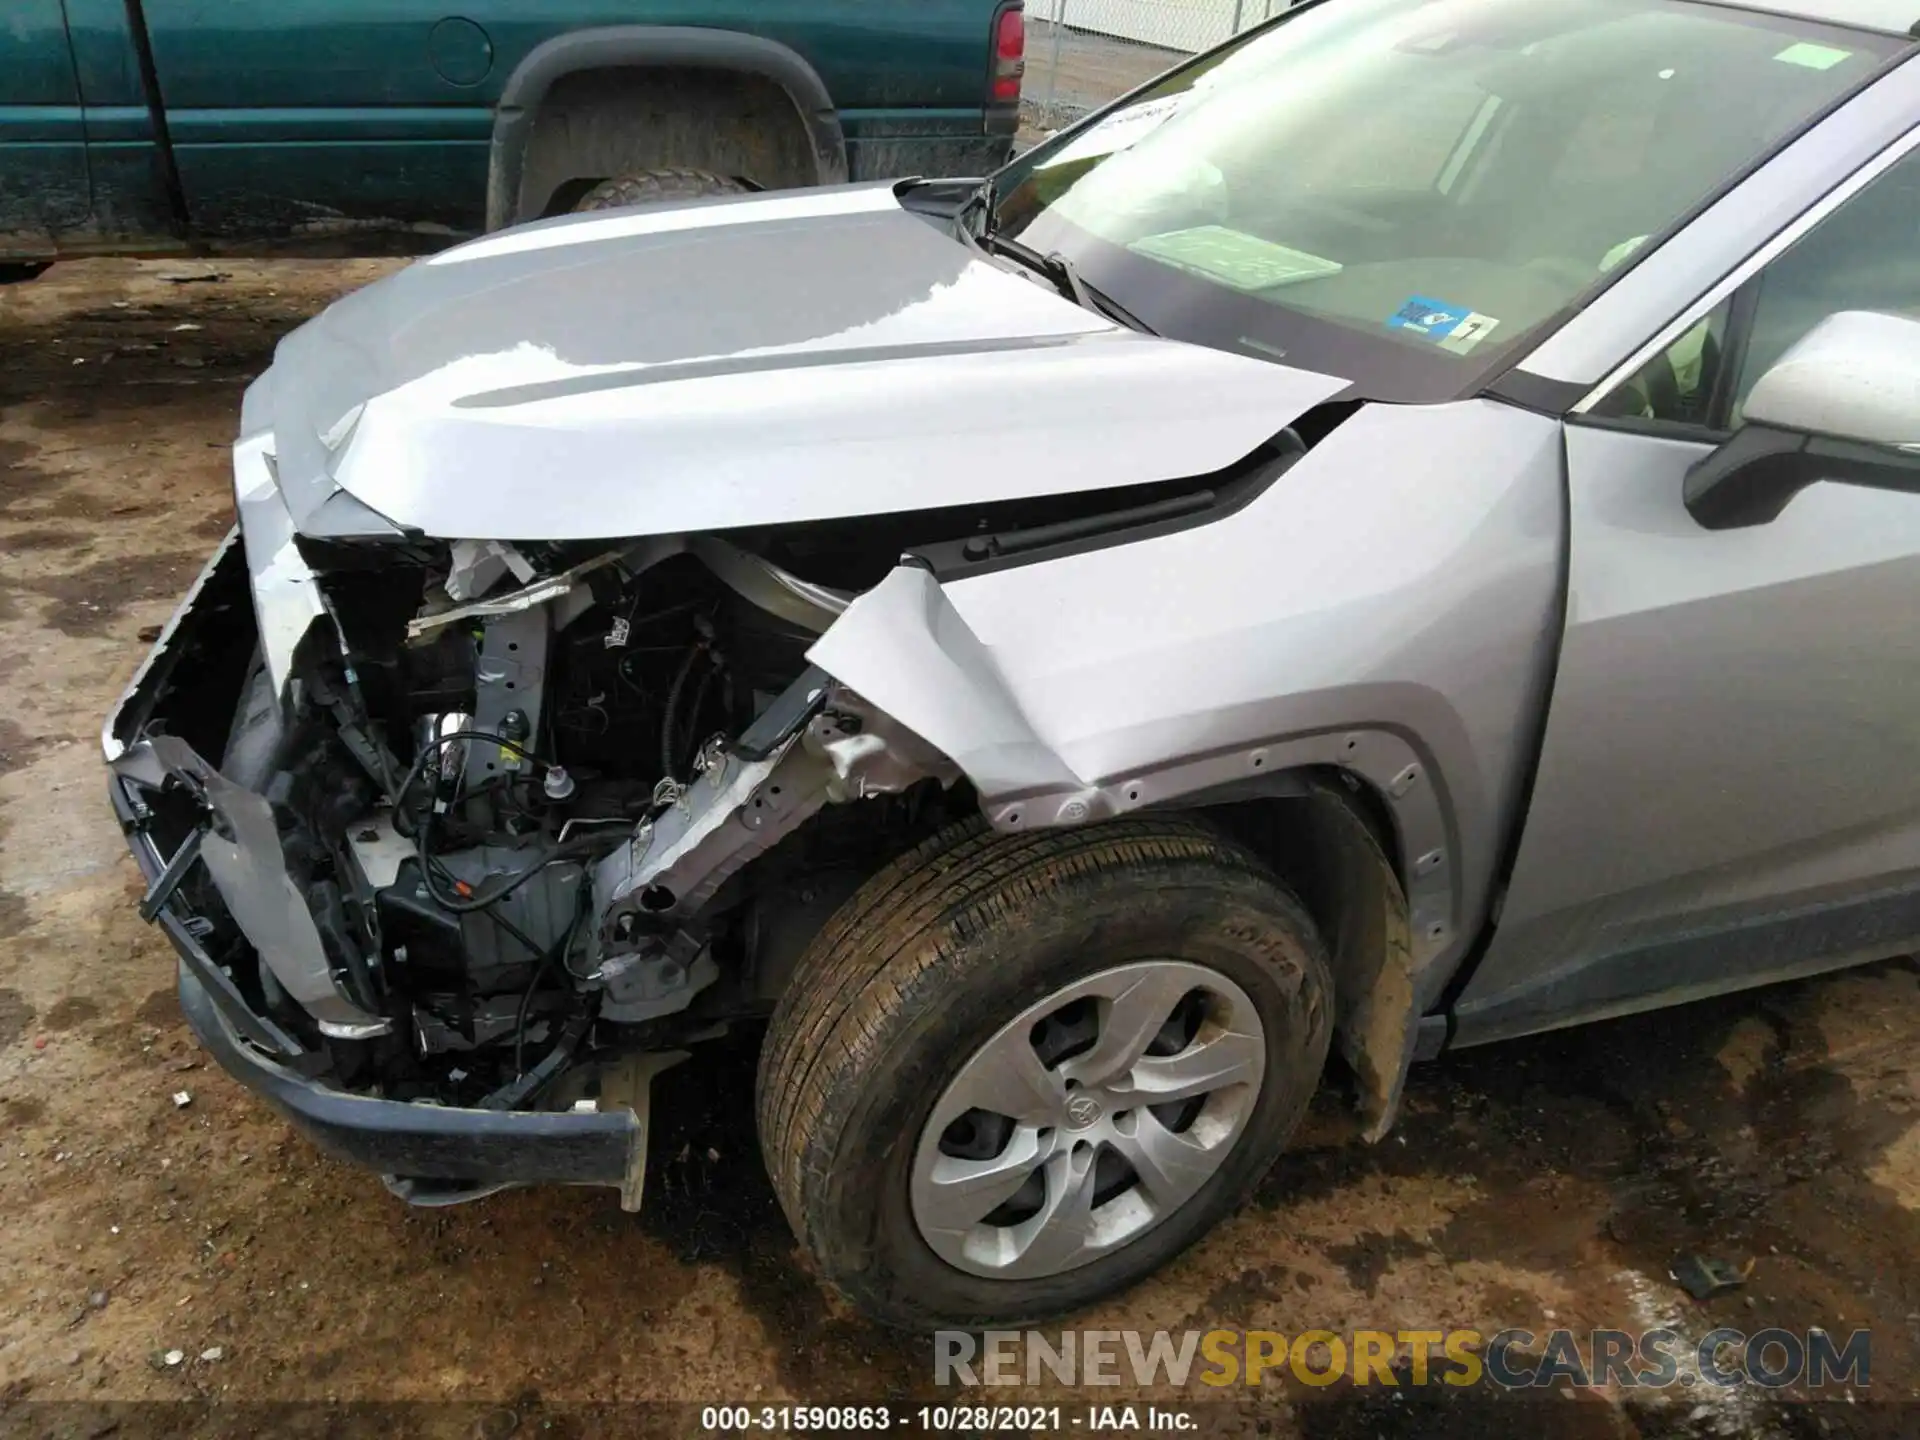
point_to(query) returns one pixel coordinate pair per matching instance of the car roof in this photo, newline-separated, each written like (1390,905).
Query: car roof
(1891,17)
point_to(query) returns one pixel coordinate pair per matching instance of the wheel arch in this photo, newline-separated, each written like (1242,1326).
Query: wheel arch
(1384,810)
(1331,838)
(1357,823)
(656,47)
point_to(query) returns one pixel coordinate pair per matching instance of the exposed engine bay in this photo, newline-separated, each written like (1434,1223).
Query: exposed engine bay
(544,804)
(501,814)
(460,840)
(519,787)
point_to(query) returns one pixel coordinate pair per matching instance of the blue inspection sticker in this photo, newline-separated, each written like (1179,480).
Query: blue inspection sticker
(1452,327)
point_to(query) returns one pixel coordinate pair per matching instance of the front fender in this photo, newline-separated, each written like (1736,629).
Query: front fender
(1392,618)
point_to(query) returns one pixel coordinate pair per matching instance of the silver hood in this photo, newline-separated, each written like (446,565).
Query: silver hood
(750,361)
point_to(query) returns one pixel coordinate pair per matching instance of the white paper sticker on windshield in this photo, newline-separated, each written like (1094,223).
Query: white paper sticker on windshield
(1116,132)
(1469,332)
(1246,262)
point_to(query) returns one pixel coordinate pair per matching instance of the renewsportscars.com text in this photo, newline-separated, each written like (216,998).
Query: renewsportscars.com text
(1512,1359)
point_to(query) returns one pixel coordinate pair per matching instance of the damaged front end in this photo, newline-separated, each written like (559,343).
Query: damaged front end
(454,842)
(462,840)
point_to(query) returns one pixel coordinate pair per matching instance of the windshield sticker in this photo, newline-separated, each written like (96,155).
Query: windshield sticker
(1246,262)
(1455,327)
(1813,57)
(1116,132)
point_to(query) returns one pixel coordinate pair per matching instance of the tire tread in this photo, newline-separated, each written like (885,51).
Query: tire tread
(879,956)
(670,185)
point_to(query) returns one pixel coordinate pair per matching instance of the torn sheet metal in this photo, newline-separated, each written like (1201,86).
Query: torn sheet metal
(242,853)
(540,592)
(286,597)
(812,607)
(907,651)
(478,565)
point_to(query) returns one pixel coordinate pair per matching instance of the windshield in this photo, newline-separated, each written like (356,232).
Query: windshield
(1398,191)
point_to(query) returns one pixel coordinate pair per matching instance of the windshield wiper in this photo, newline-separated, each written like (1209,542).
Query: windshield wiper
(1065,277)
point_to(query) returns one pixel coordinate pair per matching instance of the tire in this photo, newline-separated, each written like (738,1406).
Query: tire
(657,187)
(932,959)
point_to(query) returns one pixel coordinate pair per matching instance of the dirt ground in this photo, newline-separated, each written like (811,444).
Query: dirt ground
(1073,72)
(151,1205)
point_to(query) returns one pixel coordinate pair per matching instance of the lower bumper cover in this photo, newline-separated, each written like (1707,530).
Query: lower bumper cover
(430,1142)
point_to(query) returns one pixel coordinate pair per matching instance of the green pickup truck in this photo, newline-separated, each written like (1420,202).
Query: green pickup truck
(153,126)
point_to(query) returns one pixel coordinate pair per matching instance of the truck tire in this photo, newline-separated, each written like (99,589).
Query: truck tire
(956,1093)
(657,187)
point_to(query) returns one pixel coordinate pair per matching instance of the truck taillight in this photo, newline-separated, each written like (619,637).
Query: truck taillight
(1009,54)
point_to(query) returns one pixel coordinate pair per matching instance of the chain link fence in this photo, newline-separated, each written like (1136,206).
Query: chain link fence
(1083,53)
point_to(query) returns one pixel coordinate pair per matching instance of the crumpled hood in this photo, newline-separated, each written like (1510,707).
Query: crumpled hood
(751,361)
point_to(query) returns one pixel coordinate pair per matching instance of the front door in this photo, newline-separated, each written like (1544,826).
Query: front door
(1729,789)
(332,118)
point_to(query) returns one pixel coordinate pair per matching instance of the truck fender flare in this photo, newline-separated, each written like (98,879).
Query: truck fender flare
(659,47)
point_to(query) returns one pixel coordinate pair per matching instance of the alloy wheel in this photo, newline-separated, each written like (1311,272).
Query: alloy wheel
(1087,1120)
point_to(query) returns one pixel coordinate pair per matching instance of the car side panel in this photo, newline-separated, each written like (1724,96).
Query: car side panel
(132,209)
(1729,788)
(1388,606)
(322,115)
(43,161)
(316,54)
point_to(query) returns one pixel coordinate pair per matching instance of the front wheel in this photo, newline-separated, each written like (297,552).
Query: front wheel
(1014,1074)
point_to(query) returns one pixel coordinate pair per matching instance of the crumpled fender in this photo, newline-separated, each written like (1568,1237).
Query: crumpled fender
(1388,610)
(910,653)
(904,648)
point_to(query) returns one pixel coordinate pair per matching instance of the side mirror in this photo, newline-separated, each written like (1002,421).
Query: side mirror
(1843,405)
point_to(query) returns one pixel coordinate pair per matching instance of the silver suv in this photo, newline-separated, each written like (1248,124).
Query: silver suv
(1388,538)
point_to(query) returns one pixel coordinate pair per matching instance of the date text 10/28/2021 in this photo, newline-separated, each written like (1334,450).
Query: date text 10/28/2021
(963,1419)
